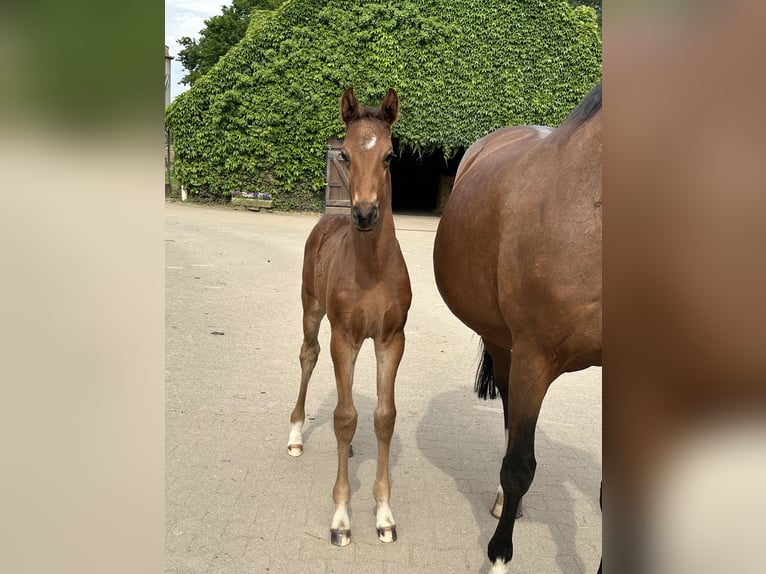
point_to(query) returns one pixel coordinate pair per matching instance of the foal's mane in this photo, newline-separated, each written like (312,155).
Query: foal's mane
(370,113)
(584,111)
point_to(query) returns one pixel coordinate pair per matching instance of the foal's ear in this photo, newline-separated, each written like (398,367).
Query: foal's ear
(349,106)
(389,108)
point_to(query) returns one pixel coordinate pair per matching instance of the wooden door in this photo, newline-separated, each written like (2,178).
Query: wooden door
(337,199)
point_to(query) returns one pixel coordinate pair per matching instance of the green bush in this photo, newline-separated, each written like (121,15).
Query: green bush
(260,119)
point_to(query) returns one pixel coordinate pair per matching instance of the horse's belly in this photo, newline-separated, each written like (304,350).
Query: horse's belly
(465,273)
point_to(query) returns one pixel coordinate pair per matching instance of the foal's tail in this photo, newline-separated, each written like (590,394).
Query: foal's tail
(485,377)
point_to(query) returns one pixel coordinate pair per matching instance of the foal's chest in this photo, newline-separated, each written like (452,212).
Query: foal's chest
(372,310)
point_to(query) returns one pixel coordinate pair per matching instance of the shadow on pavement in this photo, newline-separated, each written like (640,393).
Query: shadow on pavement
(477,482)
(365,445)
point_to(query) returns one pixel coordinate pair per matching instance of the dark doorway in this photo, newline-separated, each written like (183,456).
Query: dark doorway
(416,179)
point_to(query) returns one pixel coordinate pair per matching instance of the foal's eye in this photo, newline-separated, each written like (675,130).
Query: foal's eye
(344,157)
(389,156)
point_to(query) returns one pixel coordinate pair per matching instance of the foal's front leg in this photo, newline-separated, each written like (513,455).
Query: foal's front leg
(312,317)
(344,352)
(388,354)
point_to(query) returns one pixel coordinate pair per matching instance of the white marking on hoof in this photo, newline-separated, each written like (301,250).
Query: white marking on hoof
(294,449)
(499,567)
(295,440)
(341,523)
(387,534)
(370,143)
(497,508)
(385,523)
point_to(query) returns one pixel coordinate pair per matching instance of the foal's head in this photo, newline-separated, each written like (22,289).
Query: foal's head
(367,151)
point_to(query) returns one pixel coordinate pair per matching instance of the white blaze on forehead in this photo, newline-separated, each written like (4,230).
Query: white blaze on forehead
(370,143)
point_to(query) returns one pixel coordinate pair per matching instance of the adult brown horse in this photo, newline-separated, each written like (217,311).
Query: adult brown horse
(517,258)
(354,272)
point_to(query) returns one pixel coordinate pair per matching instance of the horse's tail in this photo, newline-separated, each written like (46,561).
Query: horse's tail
(485,377)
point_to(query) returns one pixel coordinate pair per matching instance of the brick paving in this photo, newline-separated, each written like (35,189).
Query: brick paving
(237,503)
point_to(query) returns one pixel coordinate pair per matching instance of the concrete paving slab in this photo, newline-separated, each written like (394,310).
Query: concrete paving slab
(236,502)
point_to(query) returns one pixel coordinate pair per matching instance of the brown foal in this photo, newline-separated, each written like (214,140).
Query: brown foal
(354,272)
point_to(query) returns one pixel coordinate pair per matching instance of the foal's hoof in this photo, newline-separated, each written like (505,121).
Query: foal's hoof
(340,537)
(387,534)
(295,449)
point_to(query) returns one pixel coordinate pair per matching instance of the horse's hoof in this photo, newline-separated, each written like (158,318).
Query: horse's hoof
(295,449)
(340,537)
(387,534)
(497,509)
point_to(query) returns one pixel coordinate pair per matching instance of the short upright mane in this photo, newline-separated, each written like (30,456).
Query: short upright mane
(585,110)
(370,113)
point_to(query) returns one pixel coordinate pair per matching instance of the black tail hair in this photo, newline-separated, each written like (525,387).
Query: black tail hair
(485,377)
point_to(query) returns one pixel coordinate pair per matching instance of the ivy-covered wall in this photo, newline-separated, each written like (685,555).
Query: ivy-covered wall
(260,119)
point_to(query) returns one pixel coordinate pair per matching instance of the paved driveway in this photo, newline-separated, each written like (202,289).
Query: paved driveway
(237,503)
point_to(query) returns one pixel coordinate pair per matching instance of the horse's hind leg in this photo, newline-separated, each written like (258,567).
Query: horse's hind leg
(344,352)
(388,355)
(501,370)
(312,317)
(601,506)
(531,374)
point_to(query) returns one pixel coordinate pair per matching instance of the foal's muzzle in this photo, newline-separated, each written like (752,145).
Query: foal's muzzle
(365,215)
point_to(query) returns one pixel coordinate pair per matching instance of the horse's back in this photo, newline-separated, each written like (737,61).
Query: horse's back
(500,145)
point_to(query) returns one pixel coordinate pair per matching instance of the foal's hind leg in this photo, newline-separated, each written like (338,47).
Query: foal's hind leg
(531,374)
(389,355)
(312,317)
